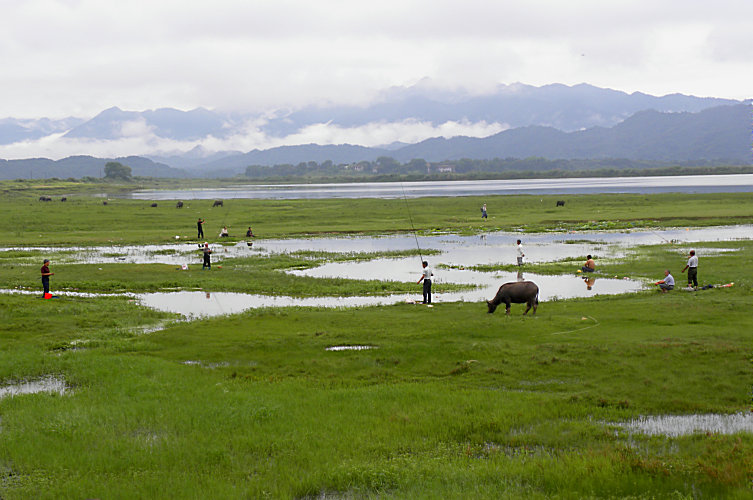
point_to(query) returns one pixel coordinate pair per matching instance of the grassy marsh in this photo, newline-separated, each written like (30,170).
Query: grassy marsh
(451,402)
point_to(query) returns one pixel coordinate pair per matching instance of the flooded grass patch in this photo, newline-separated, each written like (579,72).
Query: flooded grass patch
(683,425)
(49,384)
(350,348)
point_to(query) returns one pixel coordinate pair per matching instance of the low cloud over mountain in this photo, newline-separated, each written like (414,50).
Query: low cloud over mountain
(554,121)
(407,115)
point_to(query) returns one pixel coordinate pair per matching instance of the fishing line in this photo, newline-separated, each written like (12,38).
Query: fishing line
(410,217)
(596,323)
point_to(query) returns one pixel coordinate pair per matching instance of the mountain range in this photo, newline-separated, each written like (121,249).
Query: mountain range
(553,121)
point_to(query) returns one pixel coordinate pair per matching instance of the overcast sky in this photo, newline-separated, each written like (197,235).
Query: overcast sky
(77,57)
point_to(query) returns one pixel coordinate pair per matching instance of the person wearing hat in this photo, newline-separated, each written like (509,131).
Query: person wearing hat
(692,267)
(46,277)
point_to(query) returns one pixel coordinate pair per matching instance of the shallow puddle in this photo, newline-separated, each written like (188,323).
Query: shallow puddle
(451,265)
(350,348)
(456,250)
(204,304)
(682,425)
(45,384)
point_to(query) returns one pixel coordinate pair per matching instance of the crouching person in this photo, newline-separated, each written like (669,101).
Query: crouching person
(668,283)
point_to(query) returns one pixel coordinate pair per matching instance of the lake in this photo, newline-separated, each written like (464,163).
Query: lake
(585,185)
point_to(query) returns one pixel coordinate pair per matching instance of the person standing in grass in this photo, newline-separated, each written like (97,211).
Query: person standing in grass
(207,259)
(520,253)
(201,228)
(426,278)
(46,277)
(692,267)
(483,212)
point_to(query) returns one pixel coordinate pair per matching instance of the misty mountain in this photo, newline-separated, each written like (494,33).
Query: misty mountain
(168,123)
(196,157)
(17,130)
(345,153)
(720,133)
(563,107)
(81,166)
(566,108)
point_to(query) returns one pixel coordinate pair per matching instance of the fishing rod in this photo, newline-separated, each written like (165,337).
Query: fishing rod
(410,217)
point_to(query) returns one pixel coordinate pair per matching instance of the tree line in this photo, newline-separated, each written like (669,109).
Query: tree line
(386,167)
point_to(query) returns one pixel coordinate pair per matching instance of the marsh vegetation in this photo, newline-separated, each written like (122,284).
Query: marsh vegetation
(447,402)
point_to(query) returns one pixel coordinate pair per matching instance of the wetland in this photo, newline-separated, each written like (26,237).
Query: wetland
(295,398)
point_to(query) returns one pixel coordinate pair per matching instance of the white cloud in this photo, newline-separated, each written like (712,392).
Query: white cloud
(139,139)
(77,57)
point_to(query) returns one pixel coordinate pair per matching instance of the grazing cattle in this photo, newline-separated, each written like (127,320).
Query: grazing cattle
(179,204)
(560,203)
(104,203)
(63,199)
(516,292)
(45,198)
(153,205)
(217,203)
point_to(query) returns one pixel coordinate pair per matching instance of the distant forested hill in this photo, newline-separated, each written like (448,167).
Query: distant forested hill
(81,166)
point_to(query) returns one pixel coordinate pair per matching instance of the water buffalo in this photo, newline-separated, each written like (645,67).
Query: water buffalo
(217,203)
(179,204)
(45,198)
(517,292)
(560,203)
(63,199)
(153,205)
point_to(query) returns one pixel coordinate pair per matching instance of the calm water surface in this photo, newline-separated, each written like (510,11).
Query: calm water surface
(456,254)
(659,184)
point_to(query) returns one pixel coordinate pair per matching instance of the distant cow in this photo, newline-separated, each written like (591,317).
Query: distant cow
(104,203)
(179,204)
(560,203)
(45,198)
(153,205)
(63,199)
(516,292)
(217,203)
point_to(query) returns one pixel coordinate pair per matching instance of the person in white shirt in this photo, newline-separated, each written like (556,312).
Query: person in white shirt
(668,283)
(426,278)
(520,253)
(692,267)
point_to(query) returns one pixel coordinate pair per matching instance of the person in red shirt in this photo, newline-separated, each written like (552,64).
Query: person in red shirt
(46,277)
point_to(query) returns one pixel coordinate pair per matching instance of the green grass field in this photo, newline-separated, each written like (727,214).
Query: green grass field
(449,402)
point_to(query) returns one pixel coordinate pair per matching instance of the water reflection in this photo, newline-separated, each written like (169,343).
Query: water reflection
(198,304)
(489,248)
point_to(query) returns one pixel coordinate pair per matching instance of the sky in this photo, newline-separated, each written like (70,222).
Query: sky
(64,58)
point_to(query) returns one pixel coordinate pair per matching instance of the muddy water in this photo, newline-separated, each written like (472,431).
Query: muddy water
(681,425)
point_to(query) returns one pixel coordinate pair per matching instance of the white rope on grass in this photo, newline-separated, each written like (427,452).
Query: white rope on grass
(579,329)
